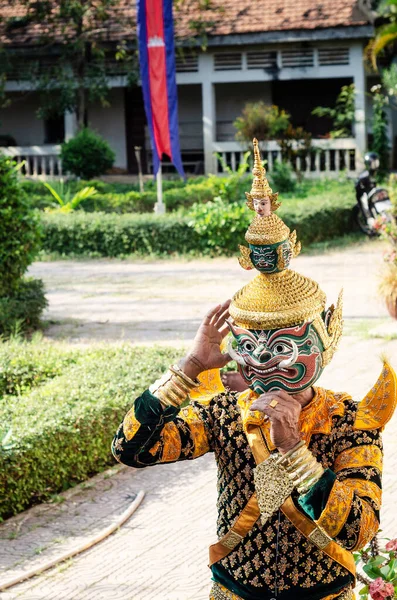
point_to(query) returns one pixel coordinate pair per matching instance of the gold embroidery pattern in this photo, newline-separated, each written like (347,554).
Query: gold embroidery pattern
(362,487)
(172,445)
(197,430)
(320,538)
(316,417)
(377,408)
(231,539)
(301,564)
(210,385)
(337,509)
(359,456)
(130,424)
(154,449)
(252,562)
(219,592)
(369,526)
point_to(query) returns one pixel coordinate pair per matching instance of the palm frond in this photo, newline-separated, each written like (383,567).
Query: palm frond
(83,194)
(57,197)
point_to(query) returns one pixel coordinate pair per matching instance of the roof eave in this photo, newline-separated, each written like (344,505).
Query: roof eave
(353,32)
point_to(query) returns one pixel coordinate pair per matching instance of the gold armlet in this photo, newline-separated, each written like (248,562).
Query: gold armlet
(173,387)
(302,468)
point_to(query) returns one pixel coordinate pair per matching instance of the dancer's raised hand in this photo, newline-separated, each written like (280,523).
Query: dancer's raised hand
(205,352)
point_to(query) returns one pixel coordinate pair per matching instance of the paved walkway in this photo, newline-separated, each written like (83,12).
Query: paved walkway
(164,301)
(161,552)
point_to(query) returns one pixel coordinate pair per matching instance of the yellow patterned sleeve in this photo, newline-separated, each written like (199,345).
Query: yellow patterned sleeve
(347,499)
(152,435)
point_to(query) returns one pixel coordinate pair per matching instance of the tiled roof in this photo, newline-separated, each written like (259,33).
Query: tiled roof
(252,16)
(227,17)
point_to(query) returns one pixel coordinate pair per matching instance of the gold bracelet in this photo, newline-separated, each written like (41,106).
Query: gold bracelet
(191,383)
(173,387)
(284,457)
(311,480)
(302,467)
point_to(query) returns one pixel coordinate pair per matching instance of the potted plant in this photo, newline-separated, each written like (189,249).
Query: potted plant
(380,568)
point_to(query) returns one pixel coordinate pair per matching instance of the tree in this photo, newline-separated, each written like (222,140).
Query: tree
(380,144)
(265,122)
(342,114)
(19,229)
(386,33)
(261,121)
(79,35)
(75,34)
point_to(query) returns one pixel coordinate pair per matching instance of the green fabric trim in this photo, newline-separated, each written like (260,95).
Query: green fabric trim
(148,410)
(315,500)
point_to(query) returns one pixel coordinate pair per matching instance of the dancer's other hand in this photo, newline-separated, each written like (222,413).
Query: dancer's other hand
(205,352)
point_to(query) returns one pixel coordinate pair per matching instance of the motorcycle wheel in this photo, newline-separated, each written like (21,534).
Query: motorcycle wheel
(361,221)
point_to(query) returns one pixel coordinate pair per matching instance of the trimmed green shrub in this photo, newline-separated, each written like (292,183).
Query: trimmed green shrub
(19,229)
(87,155)
(283,178)
(60,432)
(24,366)
(136,202)
(100,234)
(131,202)
(21,310)
(214,228)
(220,225)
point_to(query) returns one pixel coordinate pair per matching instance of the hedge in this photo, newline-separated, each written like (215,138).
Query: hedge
(24,366)
(121,200)
(59,433)
(100,234)
(215,228)
(21,309)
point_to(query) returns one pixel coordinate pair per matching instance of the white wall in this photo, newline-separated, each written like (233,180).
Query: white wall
(230,101)
(19,120)
(110,123)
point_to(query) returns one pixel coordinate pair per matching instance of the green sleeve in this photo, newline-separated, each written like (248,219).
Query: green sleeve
(316,498)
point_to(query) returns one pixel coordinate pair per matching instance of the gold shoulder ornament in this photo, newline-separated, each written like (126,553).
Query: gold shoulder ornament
(377,408)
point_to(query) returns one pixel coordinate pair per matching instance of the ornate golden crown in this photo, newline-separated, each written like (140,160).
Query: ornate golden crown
(284,298)
(260,186)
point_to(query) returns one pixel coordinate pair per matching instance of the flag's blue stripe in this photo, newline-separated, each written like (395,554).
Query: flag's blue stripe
(171,86)
(144,70)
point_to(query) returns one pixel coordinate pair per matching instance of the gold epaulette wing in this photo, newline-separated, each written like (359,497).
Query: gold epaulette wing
(377,408)
(210,386)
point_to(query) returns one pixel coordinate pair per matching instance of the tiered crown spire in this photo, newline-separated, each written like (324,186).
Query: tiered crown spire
(260,186)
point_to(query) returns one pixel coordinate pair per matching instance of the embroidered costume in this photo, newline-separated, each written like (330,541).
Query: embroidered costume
(287,523)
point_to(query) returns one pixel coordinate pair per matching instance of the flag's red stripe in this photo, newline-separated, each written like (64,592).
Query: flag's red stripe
(158,77)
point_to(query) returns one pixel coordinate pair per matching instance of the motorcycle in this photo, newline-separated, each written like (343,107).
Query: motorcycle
(372,201)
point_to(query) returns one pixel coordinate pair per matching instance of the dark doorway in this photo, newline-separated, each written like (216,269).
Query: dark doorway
(54,130)
(135,121)
(300,97)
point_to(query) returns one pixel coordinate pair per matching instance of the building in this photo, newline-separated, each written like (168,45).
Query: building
(296,54)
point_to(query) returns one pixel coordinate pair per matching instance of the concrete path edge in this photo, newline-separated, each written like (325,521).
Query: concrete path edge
(78,549)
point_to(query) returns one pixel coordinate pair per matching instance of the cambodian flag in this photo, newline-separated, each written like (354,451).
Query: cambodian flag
(157,64)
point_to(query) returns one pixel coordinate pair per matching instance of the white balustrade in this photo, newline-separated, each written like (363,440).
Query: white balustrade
(325,158)
(39,162)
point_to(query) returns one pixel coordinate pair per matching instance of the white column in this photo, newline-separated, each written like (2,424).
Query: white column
(70,120)
(209,113)
(360,131)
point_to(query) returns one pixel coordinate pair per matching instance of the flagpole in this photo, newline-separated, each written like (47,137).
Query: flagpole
(159,207)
